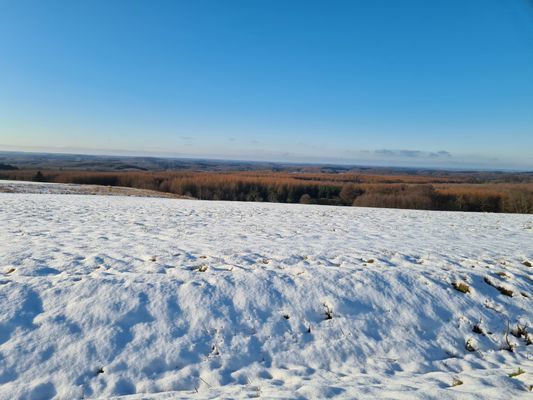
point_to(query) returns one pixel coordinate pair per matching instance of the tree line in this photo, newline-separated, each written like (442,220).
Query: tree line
(328,189)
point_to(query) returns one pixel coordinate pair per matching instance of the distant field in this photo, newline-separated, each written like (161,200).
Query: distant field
(433,190)
(60,188)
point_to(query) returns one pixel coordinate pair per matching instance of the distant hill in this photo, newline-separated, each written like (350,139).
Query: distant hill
(7,167)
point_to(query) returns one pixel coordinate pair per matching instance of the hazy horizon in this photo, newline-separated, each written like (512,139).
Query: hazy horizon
(416,84)
(303,161)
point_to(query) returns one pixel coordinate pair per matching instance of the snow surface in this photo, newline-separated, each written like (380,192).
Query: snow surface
(161,298)
(7,186)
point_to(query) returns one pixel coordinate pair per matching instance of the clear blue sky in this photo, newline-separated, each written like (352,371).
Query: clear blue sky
(440,83)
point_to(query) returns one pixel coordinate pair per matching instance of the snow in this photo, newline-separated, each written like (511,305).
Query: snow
(7,186)
(162,298)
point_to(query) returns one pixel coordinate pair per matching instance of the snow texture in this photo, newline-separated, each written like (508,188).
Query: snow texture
(162,298)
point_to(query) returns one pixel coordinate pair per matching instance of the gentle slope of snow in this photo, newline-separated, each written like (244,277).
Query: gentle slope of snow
(7,186)
(116,296)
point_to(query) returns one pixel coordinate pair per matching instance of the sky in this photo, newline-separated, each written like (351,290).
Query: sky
(385,82)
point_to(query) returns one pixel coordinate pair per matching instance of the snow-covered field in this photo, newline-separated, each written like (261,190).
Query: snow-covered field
(162,298)
(70,188)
